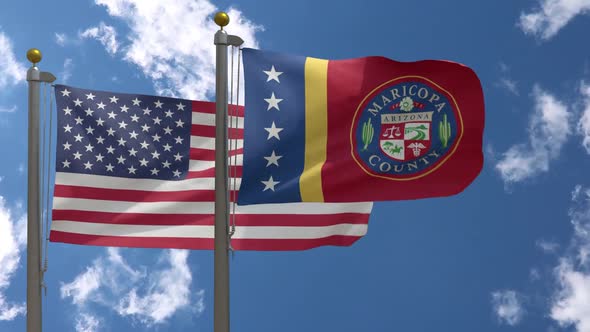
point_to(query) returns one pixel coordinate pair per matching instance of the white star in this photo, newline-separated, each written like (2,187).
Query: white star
(89,148)
(168,114)
(167,147)
(273,159)
(90,96)
(134,118)
(272,74)
(167,130)
(111,149)
(89,112)
(101,105)
(114,99)
(157,120)
(143,162)
(65,93)
(156,137)
(273,131)
(99,122)
(111,132)
(121,159)
(66,164)
(273,102)
(90,130)
(166,164)
(146,111)
(176,173)
(158,104)
(68,128)
(136,101)
(87,165)
(99,140)
(123,125)
(155,155)
(124,108)
(155,171)
(78,138)
(144,144)
(79,120)
(270,184)
(67,146)
(67,111)
(78,102)
(122,141)
(180,106)
(179,140)
(177,157)
(110,167)
(132,169)
(99,157)
(179,123)
(145,127)
(112,115)
(132,152)
(77,155)
(133,134)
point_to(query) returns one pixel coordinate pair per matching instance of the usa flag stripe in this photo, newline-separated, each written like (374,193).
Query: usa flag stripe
(138,171)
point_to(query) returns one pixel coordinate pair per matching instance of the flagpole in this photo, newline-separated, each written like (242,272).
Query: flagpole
(35,78)
(221,260)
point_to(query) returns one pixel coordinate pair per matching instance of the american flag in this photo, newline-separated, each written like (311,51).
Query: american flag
(138,171)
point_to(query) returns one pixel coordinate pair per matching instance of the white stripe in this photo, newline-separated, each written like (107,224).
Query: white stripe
(201,165)
(62,203)
(195,231)
(207,119)
(208,143)
(111,182)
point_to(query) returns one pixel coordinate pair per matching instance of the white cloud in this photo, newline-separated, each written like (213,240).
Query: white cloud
(11,71)
(547,246)
(12,241)
(184,64)
(551,16)
(105,34)
(584,123)
(549,129)
(509,85)
(11,109)
(87,323)
(571,303)
(61,39)
(507,306)
(147,296)
(21,168)
(66,73)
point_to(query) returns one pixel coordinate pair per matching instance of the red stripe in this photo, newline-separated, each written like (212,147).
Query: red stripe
(209,131)
(234,171)
(200,243)
(209,155)
(284,220)
(209,108)
(127,195)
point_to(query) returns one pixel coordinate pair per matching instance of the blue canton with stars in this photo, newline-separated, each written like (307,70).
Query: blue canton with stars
(122,135)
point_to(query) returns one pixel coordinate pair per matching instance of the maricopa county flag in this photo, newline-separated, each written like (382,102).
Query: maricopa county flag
(365,129)
(138,171)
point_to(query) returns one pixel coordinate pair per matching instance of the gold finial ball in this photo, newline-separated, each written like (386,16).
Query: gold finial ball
(221,19)
(34,55)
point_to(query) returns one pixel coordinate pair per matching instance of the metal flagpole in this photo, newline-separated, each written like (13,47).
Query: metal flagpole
(221,260)
(35,78)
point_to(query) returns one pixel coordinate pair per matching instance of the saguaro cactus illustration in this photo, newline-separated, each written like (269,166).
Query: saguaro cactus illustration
(368,132)
(444,131)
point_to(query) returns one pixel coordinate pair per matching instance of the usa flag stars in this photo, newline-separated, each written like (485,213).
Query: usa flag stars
(122,135)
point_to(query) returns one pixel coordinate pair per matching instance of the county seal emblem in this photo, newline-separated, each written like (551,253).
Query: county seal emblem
(405,129)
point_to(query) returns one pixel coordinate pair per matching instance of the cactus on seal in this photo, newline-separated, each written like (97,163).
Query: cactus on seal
(368,132)
(444,131)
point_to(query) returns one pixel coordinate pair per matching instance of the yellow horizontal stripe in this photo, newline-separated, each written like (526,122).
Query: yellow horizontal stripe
(316,129)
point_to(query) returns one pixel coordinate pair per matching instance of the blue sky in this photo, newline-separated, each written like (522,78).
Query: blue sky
(511,253)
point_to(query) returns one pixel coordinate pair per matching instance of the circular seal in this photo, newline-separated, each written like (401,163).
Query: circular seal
(405,129)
